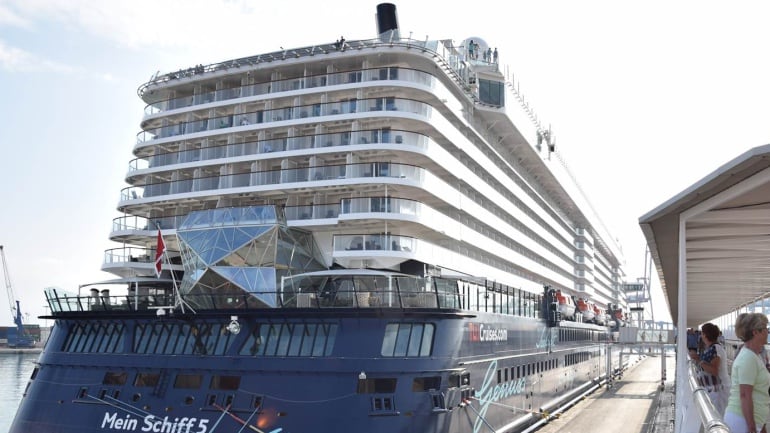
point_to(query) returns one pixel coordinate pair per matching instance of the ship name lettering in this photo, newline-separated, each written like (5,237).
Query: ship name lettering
(482,332)
(489,394)
(178,425)
(151,423)
(112,422)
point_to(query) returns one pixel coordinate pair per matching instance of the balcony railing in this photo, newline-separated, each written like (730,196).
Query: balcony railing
(280,145)
(132,254)
(291,84)
(244,120)
(374,242)
(447,56)
(276,177)
(126,223)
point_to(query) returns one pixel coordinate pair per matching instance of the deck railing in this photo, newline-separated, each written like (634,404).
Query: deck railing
(441,294)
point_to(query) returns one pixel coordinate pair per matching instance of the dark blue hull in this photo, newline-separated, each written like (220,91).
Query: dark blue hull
(355,373)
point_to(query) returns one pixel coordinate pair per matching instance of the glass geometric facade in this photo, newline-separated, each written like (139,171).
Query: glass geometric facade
(235,257)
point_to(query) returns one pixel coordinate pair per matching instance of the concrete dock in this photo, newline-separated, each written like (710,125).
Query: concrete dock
(634,403)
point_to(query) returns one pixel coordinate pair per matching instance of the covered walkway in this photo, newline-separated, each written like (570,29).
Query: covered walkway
(711,247)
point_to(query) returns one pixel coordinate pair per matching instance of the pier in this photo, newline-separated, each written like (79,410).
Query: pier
(641,401)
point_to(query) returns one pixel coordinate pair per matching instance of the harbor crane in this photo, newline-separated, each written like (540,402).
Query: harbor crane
(16,337)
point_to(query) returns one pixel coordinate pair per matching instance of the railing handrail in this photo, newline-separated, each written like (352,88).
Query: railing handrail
(267,116)
(280,55)
(710,418)
(456,296)
(125,192)
(133,164)
(277,83)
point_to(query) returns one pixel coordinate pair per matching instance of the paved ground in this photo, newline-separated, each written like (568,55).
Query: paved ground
(634,404)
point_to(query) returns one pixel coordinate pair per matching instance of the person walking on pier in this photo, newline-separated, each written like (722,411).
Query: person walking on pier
(747,406)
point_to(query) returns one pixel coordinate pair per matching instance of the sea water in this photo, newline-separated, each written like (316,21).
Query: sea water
(15,370)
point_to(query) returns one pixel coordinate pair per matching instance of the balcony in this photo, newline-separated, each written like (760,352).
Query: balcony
(133,261)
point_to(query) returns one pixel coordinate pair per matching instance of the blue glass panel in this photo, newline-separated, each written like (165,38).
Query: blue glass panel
(258,281)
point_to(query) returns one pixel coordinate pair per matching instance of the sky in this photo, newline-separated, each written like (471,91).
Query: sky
(644,99)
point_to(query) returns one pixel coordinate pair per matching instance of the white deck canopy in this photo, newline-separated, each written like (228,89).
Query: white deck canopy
(711,242)
(711,247)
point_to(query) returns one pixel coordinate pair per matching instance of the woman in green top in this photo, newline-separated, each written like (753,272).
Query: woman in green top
(747,407)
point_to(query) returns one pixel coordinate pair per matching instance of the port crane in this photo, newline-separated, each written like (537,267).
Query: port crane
(18,337)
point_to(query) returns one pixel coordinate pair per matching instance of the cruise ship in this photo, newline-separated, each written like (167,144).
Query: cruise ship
(372,235)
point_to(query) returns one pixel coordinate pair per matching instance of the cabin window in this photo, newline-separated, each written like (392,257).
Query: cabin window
(182,338)
(492,92)
(146,379)
(290,339)
(188,381)
(225,382)
(376,386)
(408,339)
(94,338)
(426,383)
(111,378)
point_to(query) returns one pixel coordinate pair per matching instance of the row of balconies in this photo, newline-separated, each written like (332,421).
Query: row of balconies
(247,121)
(291,84)
(303,142)
(405,209)
(346,206)
(199,182)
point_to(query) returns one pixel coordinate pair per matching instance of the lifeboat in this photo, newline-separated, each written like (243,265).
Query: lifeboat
(600,317)
(566,305)
(586,309)
(619,317)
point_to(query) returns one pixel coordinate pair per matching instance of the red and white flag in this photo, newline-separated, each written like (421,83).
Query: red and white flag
(159,254)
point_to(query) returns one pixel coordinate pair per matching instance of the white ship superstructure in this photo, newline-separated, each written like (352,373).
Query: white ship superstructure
(395,154)
(375,234)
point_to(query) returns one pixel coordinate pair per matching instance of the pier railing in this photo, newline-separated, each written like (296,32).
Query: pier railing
(701,405)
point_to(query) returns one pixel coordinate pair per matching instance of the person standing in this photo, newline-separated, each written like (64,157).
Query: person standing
(713,362)
(747,406)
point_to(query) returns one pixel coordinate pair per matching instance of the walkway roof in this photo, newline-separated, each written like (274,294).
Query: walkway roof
(726,227)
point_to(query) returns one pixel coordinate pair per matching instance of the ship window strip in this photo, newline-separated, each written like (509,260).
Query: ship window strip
(294,339)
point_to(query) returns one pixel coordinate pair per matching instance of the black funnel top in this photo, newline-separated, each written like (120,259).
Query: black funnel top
(386,18)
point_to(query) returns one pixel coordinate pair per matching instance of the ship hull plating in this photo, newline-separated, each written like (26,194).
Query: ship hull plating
(483,371)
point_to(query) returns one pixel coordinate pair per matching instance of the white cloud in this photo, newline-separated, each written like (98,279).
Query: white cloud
(141,23)
(10,18)
(17,60)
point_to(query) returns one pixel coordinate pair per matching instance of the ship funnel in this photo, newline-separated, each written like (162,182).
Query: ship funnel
(387,22)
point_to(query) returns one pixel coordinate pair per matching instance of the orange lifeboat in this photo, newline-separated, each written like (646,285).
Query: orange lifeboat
(600,317)
(586,309)
(619,317)
(566,306)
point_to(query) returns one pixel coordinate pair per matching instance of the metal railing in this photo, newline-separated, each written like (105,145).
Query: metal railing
(433,47)
(276,177)
(710,418)
(291,84)
(304,113)
(315,141)
(412,292)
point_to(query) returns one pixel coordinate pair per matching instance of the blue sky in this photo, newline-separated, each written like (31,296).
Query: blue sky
(644,98)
